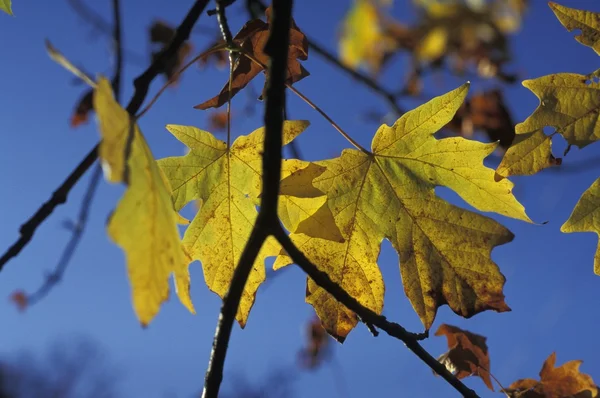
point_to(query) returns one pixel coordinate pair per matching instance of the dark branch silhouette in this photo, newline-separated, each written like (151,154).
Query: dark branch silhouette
(142,85)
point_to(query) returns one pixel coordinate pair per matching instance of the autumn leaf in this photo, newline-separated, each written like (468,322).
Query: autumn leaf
(162,33)
(486,112)
(528,154)
(82,109)
(576,120)
(217,121)
(444,250)
(226,182)
(467,355)
(564,381)
(252,38)
(586,21)
(586,217)
(19,298)
(6,6)
(144,224)
(317,348)
(363,40)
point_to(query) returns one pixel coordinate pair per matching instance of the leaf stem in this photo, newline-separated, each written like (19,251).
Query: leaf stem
(176,76)
(312,105)
(228,38)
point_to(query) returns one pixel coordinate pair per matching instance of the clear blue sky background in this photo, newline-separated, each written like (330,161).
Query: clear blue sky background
(550,285)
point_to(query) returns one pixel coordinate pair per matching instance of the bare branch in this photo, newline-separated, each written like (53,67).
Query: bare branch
(277,48)
(366,315)
(78,228)
(390,97)
(58,197)
(141,84)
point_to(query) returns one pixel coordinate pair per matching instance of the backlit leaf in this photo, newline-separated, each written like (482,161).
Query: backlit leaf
(570,103)
(528,154)
(252,38)
(144,224)
(468,354)
(226,182)
(6,6)
(362,39)
(586,21)
(444,250)
(564,381)
(586,217)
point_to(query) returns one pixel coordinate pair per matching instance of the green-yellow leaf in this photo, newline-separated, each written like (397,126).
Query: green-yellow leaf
(6,6)
(586,217)
(570,103)
(444,250)
(362,40)
(434,45)
(528,154)
(586,21)
(144,224)
(226,182)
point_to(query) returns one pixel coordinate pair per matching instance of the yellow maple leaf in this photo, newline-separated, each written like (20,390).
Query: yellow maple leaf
(575,120)
(144,224)
(528,154)
(362,40)
(444,250)
(226,182)
(586,217)
(586,21)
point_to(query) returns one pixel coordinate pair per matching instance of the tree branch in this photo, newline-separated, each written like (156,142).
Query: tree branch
(366,315)
(58,197)
(79,226)
(141,85)
(267,220)
(390,97)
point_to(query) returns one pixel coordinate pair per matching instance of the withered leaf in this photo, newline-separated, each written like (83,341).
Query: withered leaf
(556,382)
(82,109)
(467,354)
(162,33)
(317,347)
(486,112)
(252,38)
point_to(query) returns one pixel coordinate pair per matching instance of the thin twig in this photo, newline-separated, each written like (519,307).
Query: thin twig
(101,25)
(277,48)
(78,229)
(502,389)
(366,315)
(58,197)
(228,39)
(311,104)
(141,85)
(390,97)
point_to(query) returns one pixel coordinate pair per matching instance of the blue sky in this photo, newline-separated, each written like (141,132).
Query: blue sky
(550,284)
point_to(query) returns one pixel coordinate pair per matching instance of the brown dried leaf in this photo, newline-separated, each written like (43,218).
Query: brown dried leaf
(219,58)
(217,121)
(467,355)
(252,38)
(19,298)
(487,112)
(316,350)
(556,382)
(83,109)
(162,33)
